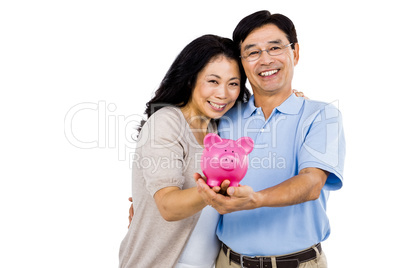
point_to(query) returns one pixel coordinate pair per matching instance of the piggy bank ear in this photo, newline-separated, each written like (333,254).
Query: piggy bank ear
(247,143)
(210,139)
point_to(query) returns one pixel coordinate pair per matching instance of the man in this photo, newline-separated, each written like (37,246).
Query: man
(279,212)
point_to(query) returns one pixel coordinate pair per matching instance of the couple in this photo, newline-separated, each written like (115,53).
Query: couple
(277,217)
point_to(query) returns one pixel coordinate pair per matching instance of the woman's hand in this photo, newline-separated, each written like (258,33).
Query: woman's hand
(236,198)
(218,189)
(130,212)
(299,94)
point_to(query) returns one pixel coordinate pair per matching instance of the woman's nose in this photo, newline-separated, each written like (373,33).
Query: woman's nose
(221,92)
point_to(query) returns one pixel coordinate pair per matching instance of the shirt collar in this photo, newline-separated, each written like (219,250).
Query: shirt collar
(250,108)
(291,105)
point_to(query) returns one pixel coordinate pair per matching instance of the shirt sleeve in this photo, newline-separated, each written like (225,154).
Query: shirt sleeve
(162,150)
(324,145)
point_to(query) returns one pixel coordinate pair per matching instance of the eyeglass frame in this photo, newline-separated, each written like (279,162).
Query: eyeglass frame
(266,50)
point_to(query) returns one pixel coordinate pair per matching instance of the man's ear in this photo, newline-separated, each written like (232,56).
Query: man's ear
(296,54)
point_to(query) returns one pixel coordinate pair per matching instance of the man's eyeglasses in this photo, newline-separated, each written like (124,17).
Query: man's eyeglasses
(255,54)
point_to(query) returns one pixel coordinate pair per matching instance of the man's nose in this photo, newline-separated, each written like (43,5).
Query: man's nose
(265,57)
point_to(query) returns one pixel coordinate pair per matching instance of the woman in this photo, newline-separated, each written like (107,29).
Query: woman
(203,83)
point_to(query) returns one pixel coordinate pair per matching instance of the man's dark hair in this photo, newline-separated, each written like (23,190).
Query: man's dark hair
(261,18)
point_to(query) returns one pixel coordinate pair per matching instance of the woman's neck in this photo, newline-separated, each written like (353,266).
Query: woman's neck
(198,123)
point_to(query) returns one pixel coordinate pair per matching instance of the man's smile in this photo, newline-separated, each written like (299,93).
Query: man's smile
(268,73)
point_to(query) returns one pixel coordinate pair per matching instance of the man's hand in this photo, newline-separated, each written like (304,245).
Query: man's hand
(130,212)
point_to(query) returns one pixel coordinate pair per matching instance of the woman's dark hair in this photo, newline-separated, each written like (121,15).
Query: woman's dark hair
(261,18)
(178,84)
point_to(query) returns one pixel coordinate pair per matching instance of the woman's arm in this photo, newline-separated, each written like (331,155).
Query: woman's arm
(175,204)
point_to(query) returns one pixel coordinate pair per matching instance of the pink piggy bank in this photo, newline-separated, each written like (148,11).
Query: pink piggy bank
(225,159)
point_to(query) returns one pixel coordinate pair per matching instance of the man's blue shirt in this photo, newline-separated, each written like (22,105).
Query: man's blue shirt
(298,134)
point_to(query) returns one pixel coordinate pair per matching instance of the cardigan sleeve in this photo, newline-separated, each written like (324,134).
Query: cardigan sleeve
(162,150)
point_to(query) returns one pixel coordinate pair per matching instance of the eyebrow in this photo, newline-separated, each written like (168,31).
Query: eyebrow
(277,41)
(217,76)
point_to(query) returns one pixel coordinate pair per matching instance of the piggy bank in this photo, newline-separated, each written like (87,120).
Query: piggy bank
(225,159)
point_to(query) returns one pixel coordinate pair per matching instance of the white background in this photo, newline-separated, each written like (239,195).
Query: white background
(87,68)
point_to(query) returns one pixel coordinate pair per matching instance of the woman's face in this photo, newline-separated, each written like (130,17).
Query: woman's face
(216,89)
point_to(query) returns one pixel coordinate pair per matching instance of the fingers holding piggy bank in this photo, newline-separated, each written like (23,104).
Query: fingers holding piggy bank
(225,159)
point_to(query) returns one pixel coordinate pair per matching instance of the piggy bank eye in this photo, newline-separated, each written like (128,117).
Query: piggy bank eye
(226,150)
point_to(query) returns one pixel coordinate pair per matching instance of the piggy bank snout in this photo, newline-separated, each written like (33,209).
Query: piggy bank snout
(227,161)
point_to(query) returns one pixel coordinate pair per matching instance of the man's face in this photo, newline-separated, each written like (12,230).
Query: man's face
(269,75)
